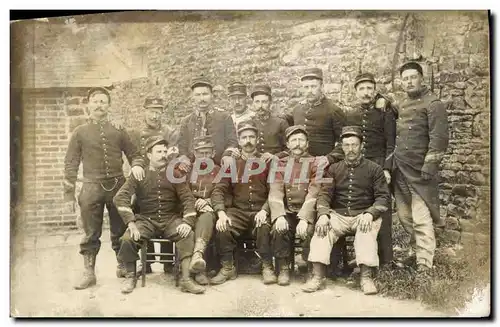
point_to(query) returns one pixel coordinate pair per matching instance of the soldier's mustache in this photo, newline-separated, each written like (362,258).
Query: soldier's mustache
(248,144)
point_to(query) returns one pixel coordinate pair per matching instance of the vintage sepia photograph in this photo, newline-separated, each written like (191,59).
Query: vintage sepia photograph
(218,164)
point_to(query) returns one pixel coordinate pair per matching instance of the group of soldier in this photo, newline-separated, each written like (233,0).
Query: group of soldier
(334,174)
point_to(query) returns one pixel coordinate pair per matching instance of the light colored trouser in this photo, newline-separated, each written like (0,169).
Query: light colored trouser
(365,244)
(416,219)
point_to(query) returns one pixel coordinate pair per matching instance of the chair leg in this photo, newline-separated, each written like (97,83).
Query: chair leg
(177,270)
(143,262)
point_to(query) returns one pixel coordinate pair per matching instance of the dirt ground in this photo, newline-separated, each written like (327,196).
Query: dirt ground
(43,274)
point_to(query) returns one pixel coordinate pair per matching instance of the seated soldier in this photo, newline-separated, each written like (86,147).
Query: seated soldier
(249,211)
(292,200)
(158,196)
(352,203)
(201,180)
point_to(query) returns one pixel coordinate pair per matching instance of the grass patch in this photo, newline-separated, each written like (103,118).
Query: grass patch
(448,286)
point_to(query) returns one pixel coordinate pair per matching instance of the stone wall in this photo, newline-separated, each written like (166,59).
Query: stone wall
(273,47)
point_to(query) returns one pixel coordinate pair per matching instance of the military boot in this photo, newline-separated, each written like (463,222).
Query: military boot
(227,272)
(317,281)
(284,276)
(268,276)
(189,286)
(130,279)
(198,264)
(367,285)
(202,278)
(120,270)
(88,279)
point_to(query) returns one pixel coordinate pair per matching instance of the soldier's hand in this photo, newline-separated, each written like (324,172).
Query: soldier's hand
(184,164)
(268,156)
(69,206)
(134,231)
(323,225)
(226,161)
(387,175)
(365,222)
(281,225)
(183,230)
(138,173)
(222,222)
(200,203)
(235,153)
(260,218)
(302,229)
(426,176)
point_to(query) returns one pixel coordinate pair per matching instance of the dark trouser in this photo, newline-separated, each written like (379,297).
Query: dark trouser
(205,226)
(384,239)
(92,200)
(243,225)
(149,228)
(282,243)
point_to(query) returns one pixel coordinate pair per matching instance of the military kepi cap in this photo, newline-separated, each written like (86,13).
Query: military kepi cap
(364,77)
(237,88)
(203,142)
(249,124)
(154,140)
(351,131)
(411,65)
(312,73)
(261,89)
(94,90)
(295,129)
(201,81)
(153,103)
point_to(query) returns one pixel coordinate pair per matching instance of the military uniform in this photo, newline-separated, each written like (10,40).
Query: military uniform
(323,120)
(202,186)
(217,124)
(140,137)
(158,198)
(294,199)
(378,124)
(248,198)
(99,146)
(421,142)
(358,187)
(271,128)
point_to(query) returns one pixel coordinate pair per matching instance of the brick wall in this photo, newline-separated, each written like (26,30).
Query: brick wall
(274,47)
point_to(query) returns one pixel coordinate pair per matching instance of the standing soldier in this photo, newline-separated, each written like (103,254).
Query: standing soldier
(271,128)
(376,117)
(292,200)
(249,211)
(152,127)
(206,121)
(321,117)
(99,146)
(158,197)
(238,103)
(421,142)
(202,184)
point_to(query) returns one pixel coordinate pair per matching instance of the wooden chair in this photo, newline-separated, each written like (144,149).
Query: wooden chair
(171,257)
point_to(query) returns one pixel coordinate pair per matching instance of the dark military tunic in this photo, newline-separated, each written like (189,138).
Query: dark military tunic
(157,198)
(202,186)
(378,123)
(421,142)
(271,134)
(99,146)
(360,188)
(324,121)
(296,194)
(248,197)
(217,124)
